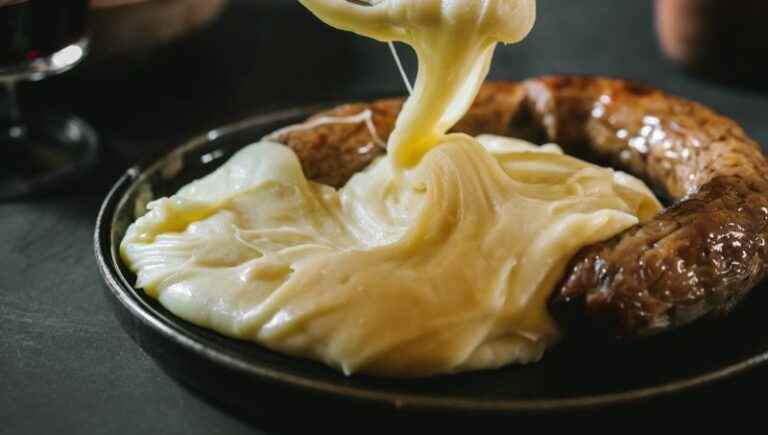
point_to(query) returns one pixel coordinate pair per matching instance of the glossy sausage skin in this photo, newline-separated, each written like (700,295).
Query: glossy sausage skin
(699,257)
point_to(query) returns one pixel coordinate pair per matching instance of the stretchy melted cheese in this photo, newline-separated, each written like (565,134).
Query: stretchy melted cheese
(436,259)
(454,41)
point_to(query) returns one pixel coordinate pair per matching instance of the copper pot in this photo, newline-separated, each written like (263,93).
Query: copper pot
(725,38)
(125,27)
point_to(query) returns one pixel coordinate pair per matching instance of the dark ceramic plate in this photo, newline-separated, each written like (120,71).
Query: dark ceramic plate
(577,374)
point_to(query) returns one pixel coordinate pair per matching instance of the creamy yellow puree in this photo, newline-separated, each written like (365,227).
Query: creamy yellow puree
(436,259)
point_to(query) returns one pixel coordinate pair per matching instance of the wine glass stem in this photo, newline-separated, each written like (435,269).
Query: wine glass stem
(11,115)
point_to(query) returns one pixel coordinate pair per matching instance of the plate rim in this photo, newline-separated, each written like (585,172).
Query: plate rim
(123,292)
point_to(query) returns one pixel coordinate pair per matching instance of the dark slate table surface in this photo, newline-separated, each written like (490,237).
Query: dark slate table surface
(65,363)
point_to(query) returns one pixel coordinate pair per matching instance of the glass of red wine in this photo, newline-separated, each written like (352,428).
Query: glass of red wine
(40,38)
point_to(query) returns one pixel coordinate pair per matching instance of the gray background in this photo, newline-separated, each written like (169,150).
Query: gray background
(65,363)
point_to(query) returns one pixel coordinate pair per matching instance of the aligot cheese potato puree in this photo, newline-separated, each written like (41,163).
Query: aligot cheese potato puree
(436,259)
(446,270)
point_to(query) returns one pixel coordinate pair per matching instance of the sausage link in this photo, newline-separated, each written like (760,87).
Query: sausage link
(700,256)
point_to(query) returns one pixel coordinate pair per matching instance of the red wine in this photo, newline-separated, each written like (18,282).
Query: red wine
(33,29)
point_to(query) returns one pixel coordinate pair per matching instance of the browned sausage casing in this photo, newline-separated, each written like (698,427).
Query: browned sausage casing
(700,256)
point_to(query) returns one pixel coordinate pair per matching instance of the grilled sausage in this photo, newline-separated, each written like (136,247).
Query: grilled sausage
(699,257)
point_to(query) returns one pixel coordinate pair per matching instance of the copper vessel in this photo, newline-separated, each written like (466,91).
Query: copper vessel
(721,38)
